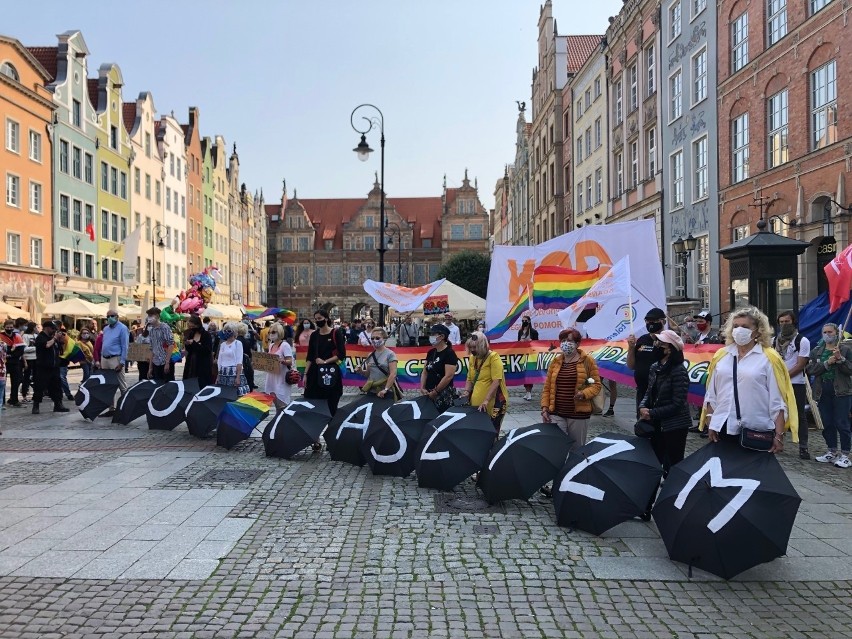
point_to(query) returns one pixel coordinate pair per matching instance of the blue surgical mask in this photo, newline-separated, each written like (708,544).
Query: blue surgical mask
(433,339)
(112,321)
(226,335)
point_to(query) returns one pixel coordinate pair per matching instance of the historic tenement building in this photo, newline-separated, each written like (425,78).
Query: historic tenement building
(320,252)
(781,138)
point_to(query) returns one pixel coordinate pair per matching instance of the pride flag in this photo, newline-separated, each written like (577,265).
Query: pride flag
(247,412)
(72,351)
(555,287)
(521,306)
(256,312)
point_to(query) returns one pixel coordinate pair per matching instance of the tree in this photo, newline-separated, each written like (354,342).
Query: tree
(468,270)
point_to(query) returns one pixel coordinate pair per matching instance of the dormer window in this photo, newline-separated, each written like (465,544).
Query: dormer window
(9,71)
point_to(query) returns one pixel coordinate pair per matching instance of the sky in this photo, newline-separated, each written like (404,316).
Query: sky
(280,79)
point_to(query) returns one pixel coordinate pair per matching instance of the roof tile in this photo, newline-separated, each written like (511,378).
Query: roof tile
(128,111)
(580,47)
(46,57)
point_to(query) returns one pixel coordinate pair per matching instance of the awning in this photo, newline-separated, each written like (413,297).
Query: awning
(94,298)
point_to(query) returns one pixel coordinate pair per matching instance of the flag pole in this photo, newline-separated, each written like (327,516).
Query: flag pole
(846,322)
(630,308)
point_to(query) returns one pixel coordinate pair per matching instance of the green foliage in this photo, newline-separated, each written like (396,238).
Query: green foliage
(468,270)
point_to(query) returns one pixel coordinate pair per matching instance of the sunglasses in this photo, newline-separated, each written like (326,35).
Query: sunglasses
(112,315)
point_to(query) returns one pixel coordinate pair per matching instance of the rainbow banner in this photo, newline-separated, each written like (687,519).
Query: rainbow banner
(555,287)
(256,312)
(527,363)
(72,351)
(521,306)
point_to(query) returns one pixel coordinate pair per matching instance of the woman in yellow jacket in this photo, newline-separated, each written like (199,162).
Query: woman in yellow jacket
(486,382)
(572,381)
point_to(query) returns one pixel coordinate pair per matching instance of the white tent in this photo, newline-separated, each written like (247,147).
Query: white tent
(463,304)
(7,310)
(74,307)
(223,311)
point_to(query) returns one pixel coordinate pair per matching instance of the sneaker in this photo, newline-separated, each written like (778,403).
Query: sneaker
(546,491)
(827,458)
(528,397)
(804,454)
(609,413)
(843,462)
(15,404)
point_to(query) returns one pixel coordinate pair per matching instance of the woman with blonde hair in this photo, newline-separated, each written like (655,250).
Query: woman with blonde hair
(276,383)
(380,367)
(230,360)
(748,385)
(486,383)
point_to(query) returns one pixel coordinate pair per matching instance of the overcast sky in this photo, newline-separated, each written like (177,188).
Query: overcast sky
(280,78)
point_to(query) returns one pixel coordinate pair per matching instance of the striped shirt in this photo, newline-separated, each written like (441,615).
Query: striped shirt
(565,389)
(161,344)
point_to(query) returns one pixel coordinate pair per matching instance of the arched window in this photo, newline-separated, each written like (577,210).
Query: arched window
(8,70)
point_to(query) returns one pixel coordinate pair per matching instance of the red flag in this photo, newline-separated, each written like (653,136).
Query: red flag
(90,231)
(839,274)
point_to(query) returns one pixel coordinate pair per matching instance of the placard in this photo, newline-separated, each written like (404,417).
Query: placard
(138,352)
(436,305)
(267,362)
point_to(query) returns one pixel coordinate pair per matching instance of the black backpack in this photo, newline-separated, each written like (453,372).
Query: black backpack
(797,341)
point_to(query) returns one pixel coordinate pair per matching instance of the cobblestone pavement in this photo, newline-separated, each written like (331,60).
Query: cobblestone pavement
(112,531)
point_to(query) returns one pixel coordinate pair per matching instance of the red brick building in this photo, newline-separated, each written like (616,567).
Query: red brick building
(320,251)
(781,65)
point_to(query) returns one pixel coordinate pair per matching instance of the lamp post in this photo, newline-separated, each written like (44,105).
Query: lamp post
(683,248)
(156,233)
(398,250)
(363,150)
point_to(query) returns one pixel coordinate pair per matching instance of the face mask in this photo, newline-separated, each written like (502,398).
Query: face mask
(8,330)
(660,353)
(829,339)
(742,335)
(320,323)
(151,319)
(84,336)
(112,321)
(306,324)
(433,339)
(787,330)
(568,348)
(227,334)
(525,322)
(701,326)
(377,341)
(654,327)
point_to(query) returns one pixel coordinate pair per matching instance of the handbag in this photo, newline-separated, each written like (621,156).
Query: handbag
(644,429)
(397,391)
(292,377)
(751,439)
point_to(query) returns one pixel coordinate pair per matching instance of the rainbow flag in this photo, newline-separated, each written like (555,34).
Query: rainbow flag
(176,355)
(247,412)
(256,312)
(521,306)
(555,287)
(72,351)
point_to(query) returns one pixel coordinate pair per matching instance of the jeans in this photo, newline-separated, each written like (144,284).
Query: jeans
(834,411)
(87,369)
(15,373)
(63,381)
(801,394)
(2,392)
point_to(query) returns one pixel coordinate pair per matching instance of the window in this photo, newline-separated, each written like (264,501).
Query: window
(64,150)
(113,137)
(634,163)
(589,192)
(699,162)
(137,181)
(698,6)
(77,259)
(171,164)
(579,197)
(168,198)
(588,98)
(777,23)
(677,179)
(35,197)
(633,75)
(816,5)
(13,248)
(619,174)
(89,168)
(77,216)
(427,242)
(702,263)
(177,162)
(35,146)
(618,91)
(676,93)
(824,105)
(64,211)
(114,227)
(13,136)
(124,229)
(579,109)
(35,252)
(674,20)
(579,157)
(104,224)
(475,231)
(157,192)
(588,141)
(9,71)
(104,177)
(13,190)
(739,134)
(598,185)
(64,261)
(90,218)
(147,145)
(777,153)
(76,113)
(650,66)
(699,76)
(598,134)
(113,182)
(90,266)
(114,265)
(652,152)
(457,232)
(147,186)
(739,42)
(168,275)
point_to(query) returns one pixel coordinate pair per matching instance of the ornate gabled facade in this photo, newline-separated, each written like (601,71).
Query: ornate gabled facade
(194,211)
(207,201)
(519,213)
(320,252)
(222,249)
(174,171)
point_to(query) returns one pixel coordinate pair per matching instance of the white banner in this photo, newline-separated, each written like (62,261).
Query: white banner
(400,298)
(131,251)
(615,284)
(512,270)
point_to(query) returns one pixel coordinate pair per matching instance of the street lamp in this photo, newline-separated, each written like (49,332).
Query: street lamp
(398,250)
(683,248)
(363,150)
(249,273)
(156,234)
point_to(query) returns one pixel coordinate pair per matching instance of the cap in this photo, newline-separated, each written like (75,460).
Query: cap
(655,314)
(448,314)
(440,328)
(705,315)
(670,337)
(48,324)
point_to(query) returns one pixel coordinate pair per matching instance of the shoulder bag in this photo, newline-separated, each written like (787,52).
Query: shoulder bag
(397,391)
(759,440)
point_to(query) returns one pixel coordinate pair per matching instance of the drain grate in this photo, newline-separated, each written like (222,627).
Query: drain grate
(486,529)
(454,504)
(231,476)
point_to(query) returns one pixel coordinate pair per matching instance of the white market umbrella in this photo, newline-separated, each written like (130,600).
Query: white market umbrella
(223,311)
(74,307)
(463,304)
(7,310)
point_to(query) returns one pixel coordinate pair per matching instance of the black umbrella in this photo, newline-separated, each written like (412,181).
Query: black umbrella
(346,430)
(134,403)
(724,509)
(390,444)
(97,393)
(609,480)
(453,447)
(239,418)
(523,461)
(203,409)
(296,427)
(167,406)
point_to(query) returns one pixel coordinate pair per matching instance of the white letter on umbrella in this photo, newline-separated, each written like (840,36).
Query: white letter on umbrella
(201,396)
(452,418)
(714,467)
(287,410)
(367,409)
(168,409)
(403,445)
(85,391)
(510,439)
(616,446)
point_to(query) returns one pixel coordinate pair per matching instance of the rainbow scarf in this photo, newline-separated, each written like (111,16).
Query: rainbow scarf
(555,287)
(72,351)
(521,306)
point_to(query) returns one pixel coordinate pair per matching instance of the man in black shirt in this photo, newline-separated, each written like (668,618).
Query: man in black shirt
(47,380)
(354,331)
(642,353)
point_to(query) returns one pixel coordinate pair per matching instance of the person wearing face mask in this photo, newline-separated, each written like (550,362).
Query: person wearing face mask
(116,338)
(436,380)
(831,367)
(303,334)
(142,337)
(795,349)
(704,333)
(326,350)
(230,360)
(641,353)
(353,331)
(276,383)
(199,353)
(572,381)
(162,341)
(485,388)
(14,344)
(455,333)
(527,334)
(87,348)
(763,389)
(379,367)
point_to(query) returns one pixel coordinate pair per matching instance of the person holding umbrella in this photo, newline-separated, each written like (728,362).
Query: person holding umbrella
(486,383)
(757,396)
(276,383)
(664,405)
(230,360)
(831,366)
(380,367)
(199,353)
(436,380)
(326,350)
